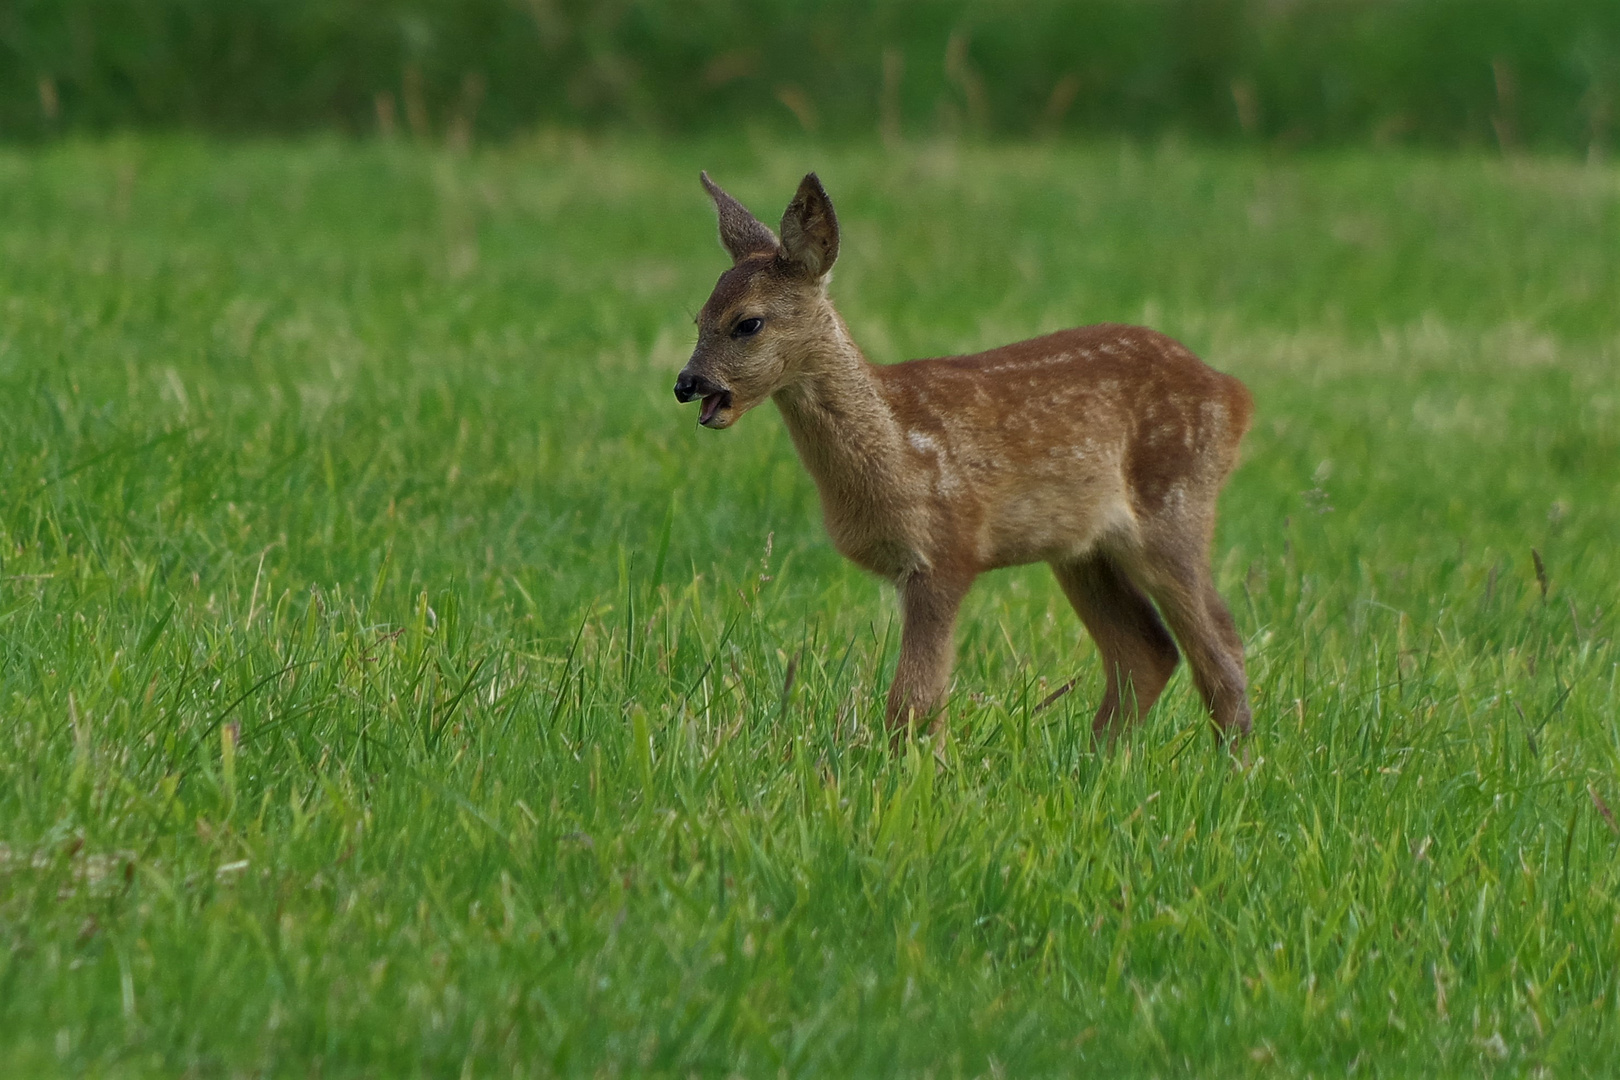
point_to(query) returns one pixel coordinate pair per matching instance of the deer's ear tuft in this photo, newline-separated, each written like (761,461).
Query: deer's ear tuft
(810,230)
(741,233)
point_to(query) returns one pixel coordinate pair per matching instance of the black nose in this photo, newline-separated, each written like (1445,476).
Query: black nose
(689,386)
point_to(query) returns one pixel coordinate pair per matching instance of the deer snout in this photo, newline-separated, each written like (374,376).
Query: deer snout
(716,411)
(690,386)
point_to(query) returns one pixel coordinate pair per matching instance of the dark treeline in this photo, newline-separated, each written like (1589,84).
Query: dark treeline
(1530,73)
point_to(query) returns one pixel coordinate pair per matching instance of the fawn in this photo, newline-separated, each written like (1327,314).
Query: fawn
(1098,450)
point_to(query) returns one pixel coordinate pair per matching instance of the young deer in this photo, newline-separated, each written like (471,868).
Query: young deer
(1099,451)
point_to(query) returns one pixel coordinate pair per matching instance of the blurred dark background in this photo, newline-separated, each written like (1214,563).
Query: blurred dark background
(1531,74)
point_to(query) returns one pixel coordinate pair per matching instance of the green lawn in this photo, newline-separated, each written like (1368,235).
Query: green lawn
(394,681)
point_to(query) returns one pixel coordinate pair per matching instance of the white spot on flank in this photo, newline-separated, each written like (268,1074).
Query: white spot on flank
(945,478)
(922,442)
(1015,366)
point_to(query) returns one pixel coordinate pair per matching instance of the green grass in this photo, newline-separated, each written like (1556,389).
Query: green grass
(1542,74)
(394,680)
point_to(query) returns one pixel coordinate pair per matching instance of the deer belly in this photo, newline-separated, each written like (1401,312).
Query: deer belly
(1053,526)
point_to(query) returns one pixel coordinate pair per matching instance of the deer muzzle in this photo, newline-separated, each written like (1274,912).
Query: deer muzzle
(716,398)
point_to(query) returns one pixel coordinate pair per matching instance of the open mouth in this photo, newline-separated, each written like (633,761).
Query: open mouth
(712,404)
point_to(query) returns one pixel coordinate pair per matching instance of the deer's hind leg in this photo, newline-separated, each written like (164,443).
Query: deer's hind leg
(1138,653)
(1176,573)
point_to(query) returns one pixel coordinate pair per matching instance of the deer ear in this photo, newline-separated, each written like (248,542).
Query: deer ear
(741,233)
(810,229)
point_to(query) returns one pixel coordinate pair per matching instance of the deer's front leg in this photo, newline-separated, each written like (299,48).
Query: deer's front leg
(928,605)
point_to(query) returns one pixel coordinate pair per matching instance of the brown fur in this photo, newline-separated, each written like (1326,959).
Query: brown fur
(1099,451)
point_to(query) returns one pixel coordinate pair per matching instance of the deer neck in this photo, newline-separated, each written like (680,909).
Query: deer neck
(841,423)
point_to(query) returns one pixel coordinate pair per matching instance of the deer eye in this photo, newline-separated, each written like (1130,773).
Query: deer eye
(748,327)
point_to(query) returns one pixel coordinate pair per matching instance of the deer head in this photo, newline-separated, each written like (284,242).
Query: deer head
(768,311)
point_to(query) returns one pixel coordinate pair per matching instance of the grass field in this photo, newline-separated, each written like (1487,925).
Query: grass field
(395,681)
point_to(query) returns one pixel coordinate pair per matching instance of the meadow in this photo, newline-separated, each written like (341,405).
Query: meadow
(394,681)
(1542,74)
